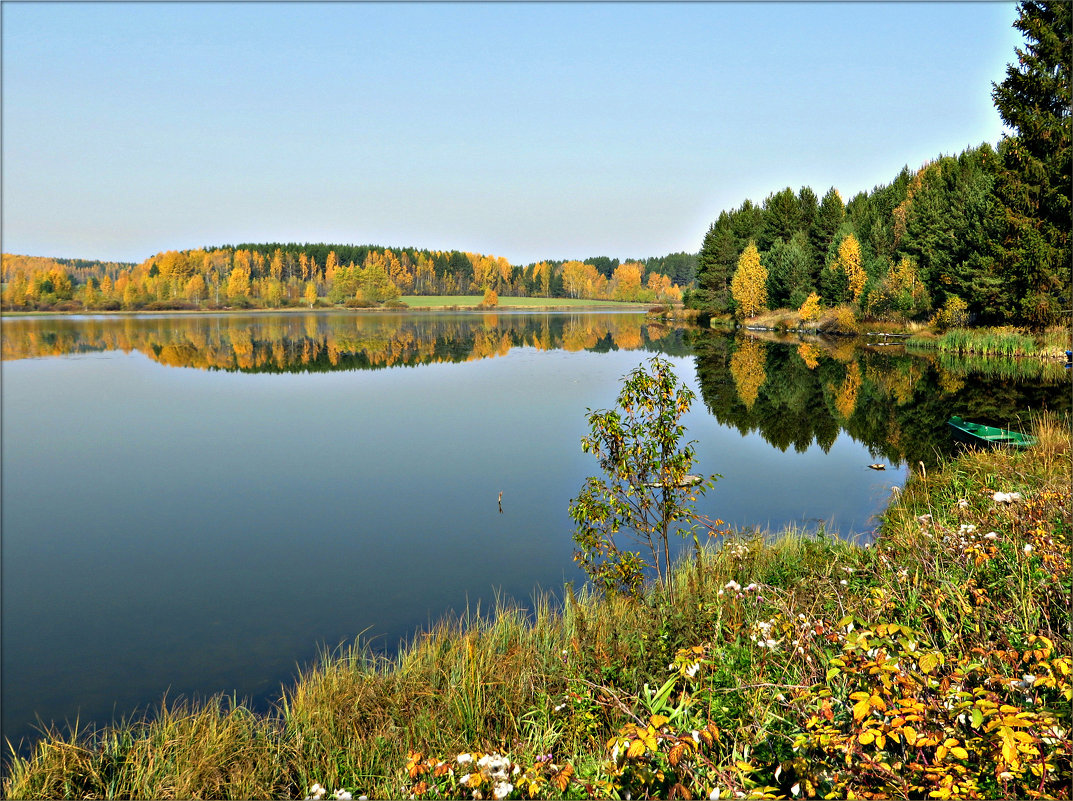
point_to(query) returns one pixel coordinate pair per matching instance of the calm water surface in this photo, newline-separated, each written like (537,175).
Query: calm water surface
(196,504)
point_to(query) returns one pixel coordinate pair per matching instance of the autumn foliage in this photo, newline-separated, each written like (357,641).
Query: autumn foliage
(748,286)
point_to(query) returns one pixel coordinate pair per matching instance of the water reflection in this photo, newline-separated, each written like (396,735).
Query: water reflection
(315,342)
(796,394)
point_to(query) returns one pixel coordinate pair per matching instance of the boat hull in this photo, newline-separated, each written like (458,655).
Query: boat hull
(988,436)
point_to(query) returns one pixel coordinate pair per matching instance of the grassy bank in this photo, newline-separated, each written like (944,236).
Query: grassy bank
(467,301)
(1003,342)
(933,663)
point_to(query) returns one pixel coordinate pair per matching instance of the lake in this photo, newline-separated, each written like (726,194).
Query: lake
(196,504)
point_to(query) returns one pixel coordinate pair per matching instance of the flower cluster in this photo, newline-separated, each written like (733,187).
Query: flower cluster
(480,776)
(1006,497)
(739,591)
(318,792)
(492,770)
(762,633)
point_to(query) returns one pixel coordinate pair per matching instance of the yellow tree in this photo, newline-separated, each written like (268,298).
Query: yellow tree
(89,296)
(577,280)
(810,309)
(848,261)
(311,293)
(627,281)
(238,283)
(195,288)
(749,284)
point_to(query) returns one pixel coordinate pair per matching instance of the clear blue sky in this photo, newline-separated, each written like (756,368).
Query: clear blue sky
(525,130)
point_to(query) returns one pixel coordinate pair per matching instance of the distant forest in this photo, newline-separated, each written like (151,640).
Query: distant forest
(982,237)
(288,274)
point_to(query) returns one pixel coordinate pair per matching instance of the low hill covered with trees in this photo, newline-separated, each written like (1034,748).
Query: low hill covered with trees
(273,275)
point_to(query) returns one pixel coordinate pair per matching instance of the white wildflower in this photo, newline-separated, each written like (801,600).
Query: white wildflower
(691,671)
(732,585)
(751,587)
(772,643)
(716,794)
(796,789)
(342,795)
(696,736)
(465,759)
(317,792)
(844,583)
(502,790)
(962,503)
(464,781)
(991,535)
(1028,548)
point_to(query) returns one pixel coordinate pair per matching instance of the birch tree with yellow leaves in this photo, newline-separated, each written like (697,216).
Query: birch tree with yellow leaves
(748,287)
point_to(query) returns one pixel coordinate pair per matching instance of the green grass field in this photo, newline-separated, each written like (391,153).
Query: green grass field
(440,301)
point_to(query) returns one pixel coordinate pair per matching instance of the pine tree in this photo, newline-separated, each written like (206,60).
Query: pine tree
(1035,186)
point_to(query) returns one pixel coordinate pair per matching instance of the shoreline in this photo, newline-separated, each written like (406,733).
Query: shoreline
(595,306)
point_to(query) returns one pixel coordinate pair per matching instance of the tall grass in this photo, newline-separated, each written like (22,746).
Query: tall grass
(565,678)
(988,342)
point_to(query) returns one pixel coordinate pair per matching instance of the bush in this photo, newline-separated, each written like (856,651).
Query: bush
(839,320)
(953,314)
(810,308)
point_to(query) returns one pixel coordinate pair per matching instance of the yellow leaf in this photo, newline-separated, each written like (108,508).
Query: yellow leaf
(860,709)
(658,720)
(940,753)
(866,737)
(636,749)
(881,741)
(1009,746)
(562,778)
(650,739)
(676,754)
(928,662)
(858,696)
(959,753)
(910,735)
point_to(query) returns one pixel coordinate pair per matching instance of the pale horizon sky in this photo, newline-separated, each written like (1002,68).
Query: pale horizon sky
(524,130)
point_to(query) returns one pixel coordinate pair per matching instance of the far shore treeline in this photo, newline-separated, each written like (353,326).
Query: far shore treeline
(275,275)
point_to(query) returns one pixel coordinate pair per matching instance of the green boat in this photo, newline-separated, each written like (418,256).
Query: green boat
(979,434)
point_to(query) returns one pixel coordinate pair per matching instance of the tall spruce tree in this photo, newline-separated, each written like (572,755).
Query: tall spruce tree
(1036,183)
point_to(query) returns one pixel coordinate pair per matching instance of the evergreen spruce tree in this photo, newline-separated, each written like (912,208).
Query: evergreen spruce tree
(1035,185)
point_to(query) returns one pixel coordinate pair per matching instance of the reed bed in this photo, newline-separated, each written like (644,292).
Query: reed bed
(768,669)
(1006,342)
